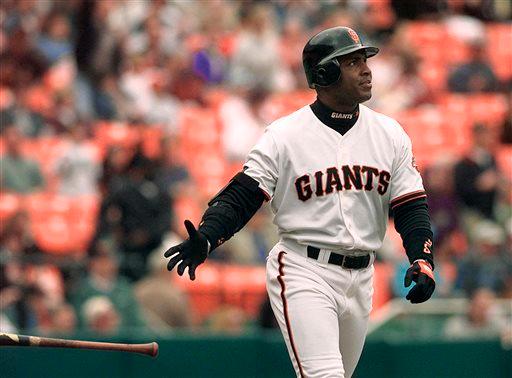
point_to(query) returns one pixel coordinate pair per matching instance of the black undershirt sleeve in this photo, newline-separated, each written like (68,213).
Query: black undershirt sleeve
(230,210)
(413,224)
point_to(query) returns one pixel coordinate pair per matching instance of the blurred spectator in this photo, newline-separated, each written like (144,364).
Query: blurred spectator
(103,280)
(64,320)
(22,64)
(227,319)
(256,59)
(477,178)
(97,51)
(417,10)
(18,174)
(486,264)
(482,320)
(101,316)
(164,305)
(253,242)
(137,212)
(171,172)
(242,124)
(476,75)
(398,86)
(55,40)
(78,167)
(115,167)
(16,238)
(506,127)
(442,202)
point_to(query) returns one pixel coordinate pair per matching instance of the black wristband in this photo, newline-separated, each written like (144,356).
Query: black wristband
(413,224)
(231,209)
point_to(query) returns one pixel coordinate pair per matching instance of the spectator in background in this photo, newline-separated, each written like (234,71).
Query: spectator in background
(64,320)
(78,167)
(476,75)
(100,315)
(486,264)
(98,51)
(22,64)
(256,59)
(55,40)
(482,320)
(401,87)
(253,242)
(137,212)
(164,305)
(17,173)
(103,280)
(442,201)
(242,124)
(477,178)
(171,172)
(227,319)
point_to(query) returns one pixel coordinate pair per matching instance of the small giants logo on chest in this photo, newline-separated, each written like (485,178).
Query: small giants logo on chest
(354,36)
(342,115)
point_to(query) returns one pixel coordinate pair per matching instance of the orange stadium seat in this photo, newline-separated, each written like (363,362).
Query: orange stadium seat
(198,128)
(56,235)
(84,207)
(204,292)
(434,75)
(151,137)
(427,36)
(208,168)
(382,284)
(504,160)
(42,205)
(186,207)
(10,204)
(116,134)
(499,39)
(430,134)
(74,217)
(244,287)
(490,109)
(281,104)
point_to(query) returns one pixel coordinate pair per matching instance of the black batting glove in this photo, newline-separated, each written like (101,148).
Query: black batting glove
(420,272)
(192,252)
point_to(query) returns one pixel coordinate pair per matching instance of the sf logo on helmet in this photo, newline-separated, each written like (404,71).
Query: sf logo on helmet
(354,36)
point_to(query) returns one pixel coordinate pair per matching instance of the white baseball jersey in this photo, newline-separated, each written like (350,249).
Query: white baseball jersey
(330,190)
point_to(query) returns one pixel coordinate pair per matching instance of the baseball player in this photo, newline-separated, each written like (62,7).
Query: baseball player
(332,171)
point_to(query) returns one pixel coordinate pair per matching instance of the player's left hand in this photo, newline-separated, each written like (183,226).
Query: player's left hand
(192,252)
(420,272)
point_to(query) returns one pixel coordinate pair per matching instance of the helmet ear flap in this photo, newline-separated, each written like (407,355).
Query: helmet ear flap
(327,73)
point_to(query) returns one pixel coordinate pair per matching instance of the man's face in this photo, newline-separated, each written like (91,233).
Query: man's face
(355,84)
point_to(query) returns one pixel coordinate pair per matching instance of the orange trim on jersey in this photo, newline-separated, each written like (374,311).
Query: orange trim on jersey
(407,197)
(280,278)
(267,196)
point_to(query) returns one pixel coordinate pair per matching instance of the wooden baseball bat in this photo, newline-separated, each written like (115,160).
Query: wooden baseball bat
(8,339)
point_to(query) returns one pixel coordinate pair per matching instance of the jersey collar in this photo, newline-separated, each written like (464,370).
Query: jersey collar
(340,122)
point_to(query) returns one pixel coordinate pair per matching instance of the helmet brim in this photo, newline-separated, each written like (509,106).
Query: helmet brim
(369,51)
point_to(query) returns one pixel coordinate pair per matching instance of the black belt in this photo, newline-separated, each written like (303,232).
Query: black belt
(347,262)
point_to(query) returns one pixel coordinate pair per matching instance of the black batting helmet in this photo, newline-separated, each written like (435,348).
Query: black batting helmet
(319,55)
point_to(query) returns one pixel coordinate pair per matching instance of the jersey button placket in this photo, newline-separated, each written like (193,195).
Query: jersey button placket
(342,159)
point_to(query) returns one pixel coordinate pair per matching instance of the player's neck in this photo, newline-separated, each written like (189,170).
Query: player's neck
(335,105)
(335,119)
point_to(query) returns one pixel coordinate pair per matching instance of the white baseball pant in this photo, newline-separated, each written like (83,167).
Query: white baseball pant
(322,310)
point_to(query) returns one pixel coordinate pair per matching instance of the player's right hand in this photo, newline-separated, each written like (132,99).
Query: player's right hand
(420,272)
(192,252)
